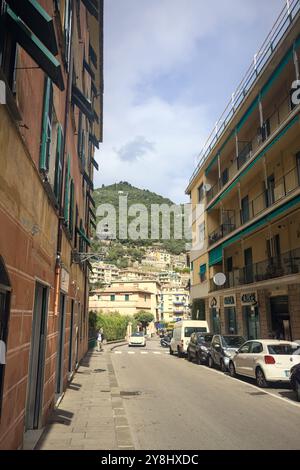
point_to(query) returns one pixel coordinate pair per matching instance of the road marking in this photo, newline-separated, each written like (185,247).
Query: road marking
(118,352)
(144,352)
(289,402)
(131,352)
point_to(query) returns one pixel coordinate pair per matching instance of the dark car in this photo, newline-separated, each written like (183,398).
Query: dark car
(295,380)
(222,348)
(199,347)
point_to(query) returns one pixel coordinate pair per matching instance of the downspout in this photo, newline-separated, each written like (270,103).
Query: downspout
(61,204)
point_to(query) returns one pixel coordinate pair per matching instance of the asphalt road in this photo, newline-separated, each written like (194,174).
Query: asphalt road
(172,404)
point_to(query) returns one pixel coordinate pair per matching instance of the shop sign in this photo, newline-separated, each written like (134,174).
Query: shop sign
(249,298)
(214,302)
(229,300)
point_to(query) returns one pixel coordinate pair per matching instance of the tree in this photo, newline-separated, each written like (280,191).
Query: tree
(144,318)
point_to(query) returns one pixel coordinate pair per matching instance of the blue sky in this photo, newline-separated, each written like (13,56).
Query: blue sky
(171,66)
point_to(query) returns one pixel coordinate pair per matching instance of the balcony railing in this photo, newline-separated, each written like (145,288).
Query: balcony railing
(266,199)
(278,266)
(286,18)
(248,148)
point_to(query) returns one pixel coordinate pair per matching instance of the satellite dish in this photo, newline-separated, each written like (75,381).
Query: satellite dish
(207,187)
(220,279)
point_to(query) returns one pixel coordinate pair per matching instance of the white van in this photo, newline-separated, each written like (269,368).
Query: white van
(182,333)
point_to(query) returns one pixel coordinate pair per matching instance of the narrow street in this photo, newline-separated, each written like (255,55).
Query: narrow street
(146,399)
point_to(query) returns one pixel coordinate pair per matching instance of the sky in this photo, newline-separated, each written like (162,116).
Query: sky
(170,68)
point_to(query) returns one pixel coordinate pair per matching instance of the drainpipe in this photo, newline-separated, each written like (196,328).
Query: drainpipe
(61,204)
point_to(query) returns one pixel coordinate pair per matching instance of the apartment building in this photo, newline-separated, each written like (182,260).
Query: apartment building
(125,300)
(103,273)
(51,64)
(245,194)
(174,303)
(169,277)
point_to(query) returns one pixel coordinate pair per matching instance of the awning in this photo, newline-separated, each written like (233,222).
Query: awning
(94,140)
(216,256)
(82,103)
(92,7)
(203,269)
(92,213)
(83,236)
(88,180)
(88,68)
(93,55)
(94,163)
(38,20)
(91,199)
(35,48)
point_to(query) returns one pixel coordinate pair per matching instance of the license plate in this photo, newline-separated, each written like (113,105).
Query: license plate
(287,373)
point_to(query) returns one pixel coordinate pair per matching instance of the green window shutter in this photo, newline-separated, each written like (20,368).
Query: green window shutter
(216,256)
(71,215)
(58,163)
(67,192)
(203,269)
(46,125)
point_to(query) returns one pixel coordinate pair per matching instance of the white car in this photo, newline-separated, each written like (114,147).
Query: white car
(137,339)
(265,360)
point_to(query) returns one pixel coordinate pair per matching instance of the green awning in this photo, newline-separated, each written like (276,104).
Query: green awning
(83,236)
(35,48)
(82,103)
(216,256)
(259,156)
(203,269)
(92,7)
(94,163)
(38,20)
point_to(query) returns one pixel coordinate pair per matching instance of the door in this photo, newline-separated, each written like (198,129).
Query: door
(242,358)
(254,356)
(280,317)
(251,315)
(245,214)
(270,198)
(60,346)
(71,337)
(248,258)
(230,319)
(34,401)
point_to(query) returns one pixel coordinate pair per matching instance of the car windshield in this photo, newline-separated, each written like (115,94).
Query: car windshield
(137,334)
(284,349)
(205,338)
(188,331)
(233,341)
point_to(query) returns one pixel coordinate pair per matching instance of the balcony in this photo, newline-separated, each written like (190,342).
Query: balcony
(178,303)
(278,266)
(277,190)
(247,148)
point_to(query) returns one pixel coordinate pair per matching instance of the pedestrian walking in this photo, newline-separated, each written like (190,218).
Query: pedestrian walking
(99,341)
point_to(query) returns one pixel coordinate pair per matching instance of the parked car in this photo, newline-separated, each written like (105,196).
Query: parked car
(265,360)
(223,347)
(295,380)
(199,347)
(182,333)
(137,339)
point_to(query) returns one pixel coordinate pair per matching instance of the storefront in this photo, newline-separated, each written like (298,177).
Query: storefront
(250,311)
(214,308)
(280,317)
(229,302)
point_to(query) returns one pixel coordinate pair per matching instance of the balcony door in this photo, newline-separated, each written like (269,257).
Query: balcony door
(248,258)
(270,195)
(245,213)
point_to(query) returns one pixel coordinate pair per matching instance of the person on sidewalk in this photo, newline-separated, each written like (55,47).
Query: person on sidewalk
(99,341)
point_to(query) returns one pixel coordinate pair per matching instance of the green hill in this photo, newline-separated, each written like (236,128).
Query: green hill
(110,195)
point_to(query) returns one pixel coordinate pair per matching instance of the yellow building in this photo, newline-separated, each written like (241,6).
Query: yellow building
(174,303)
(125,300)
(248,186)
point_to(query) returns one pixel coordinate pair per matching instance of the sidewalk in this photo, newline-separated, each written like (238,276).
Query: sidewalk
(91,415)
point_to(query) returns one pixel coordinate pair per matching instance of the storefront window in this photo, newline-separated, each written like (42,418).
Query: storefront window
(251,316)
(215,321)
(230,319)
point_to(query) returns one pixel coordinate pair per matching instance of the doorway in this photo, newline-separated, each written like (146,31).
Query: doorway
(35,388)
(60,346)
(280,317)
(251,318)
(215,320)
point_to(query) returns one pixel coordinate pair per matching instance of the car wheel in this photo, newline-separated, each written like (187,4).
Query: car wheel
(298,391)
(260,378)
(171,352)
(222,365)
(232,370)
(210,362)
(189,357)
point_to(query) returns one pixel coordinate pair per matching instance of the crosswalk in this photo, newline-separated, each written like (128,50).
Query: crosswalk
(142,353)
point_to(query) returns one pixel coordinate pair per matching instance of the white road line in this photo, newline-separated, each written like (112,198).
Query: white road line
(157,352)
(289,402)
(131,352)
(118,352)
(144,352)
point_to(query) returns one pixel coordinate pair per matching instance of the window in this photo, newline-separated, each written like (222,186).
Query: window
(256,348)
(126,297)
(202,273)
(112,298)
(68,31)
(8,49)
(245,349)
(67,192)
(200,193)
(202,232)
(229,265)
(225,177)
(99,297)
